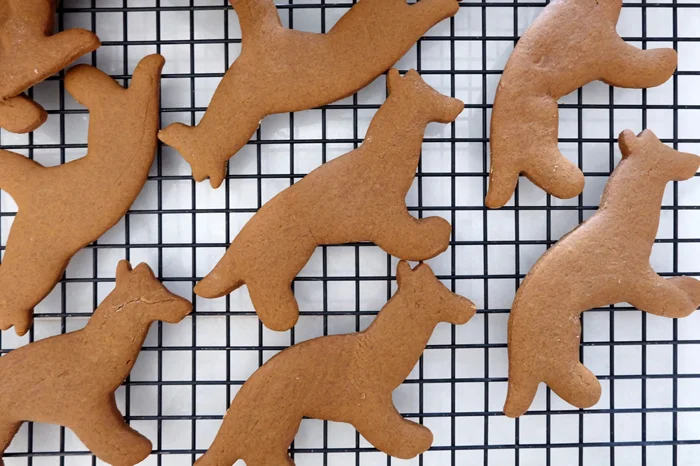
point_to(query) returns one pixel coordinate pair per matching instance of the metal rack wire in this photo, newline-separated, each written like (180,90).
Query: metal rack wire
(186,375)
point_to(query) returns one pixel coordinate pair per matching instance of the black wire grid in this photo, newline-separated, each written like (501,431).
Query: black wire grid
(647,412)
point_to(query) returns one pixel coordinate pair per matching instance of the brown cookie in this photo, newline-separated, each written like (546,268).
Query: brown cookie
(70,379)
(66,207)
(29,54)
(604,261)
(282,70)
(342,378)
(360,196)
(571,43)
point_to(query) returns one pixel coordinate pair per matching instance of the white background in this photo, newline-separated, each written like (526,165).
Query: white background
(641,399)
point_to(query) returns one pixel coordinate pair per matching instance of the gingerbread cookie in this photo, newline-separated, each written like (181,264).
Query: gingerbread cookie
(360,196)
(604,261)
(70,379)
(282,70)
(342,378)
(29,54)
(64,208)
(571,43)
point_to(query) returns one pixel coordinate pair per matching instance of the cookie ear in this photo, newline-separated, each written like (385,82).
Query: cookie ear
(123,270)
(392,80)
(413,74)
(423,270)
(143,269)
(628,142)
(403,272)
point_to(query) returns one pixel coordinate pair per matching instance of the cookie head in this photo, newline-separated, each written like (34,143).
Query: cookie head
(448,306)
(435,106)
(657,157)
(140,285)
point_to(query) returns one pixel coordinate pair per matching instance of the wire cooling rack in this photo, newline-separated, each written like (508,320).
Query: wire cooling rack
(649,413)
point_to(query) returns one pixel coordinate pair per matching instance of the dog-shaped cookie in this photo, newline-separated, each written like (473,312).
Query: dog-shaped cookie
(342,378)
(603,261)
(64,208)
(571,43)
(30,53)
(282,70)
(360,196)
(70,379)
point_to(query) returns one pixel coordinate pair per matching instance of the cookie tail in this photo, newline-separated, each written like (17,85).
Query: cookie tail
(220,281)
(635,68)
(146,80)
(54,53)
(67,46)
(21,115)
(256,18)
(199,154)
(15,174)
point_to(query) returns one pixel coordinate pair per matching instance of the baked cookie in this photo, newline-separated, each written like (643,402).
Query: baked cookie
(282,70)
(342,378)
(571,43)
(64,208)
(604,261)
(30,53)
(359,196)
(70,379)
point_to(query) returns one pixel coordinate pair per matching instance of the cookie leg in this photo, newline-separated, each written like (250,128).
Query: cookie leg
(223,450)
(437,9)
(522,388)
(563,371)
(556,174)
(110,438)
(409,238)
(575,384)
(16,173)
(22,265)
(88,85)
(217,456)
(8,430)
(16,311)
(513,152)
(691,287)
(384,428)
(672,297)
(205,147)
(228,124)
(21,115)
(274,303)
(502,183)
(269,458)
(636,68)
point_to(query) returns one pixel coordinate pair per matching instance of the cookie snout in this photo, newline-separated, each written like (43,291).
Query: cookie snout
(452,110)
